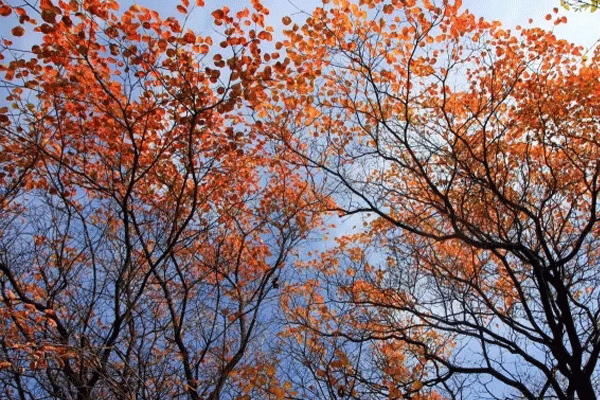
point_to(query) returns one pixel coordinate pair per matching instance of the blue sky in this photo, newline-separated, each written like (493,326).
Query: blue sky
(583,27)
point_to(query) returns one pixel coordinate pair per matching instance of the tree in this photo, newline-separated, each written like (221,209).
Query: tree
(472,152)
(580,5)
(144,223)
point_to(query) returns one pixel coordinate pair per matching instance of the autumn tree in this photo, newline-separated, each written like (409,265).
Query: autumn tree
(472,153)
(144,223)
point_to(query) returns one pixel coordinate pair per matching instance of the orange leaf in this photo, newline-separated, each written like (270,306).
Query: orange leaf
(5,10)
(218,14)
(18,31)
(48,16)
(265,36)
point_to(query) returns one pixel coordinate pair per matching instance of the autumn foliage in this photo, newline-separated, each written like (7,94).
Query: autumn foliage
(158,188)
(472,152)
(144,221)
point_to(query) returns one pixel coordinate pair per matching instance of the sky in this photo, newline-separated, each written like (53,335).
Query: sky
(583,28)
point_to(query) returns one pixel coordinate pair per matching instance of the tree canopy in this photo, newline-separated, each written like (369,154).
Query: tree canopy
(165,196)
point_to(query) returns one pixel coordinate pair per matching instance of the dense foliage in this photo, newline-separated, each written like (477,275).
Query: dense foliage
(161,191)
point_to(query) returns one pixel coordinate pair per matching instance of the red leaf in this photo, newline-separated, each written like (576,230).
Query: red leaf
(5,10)
(18,31)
